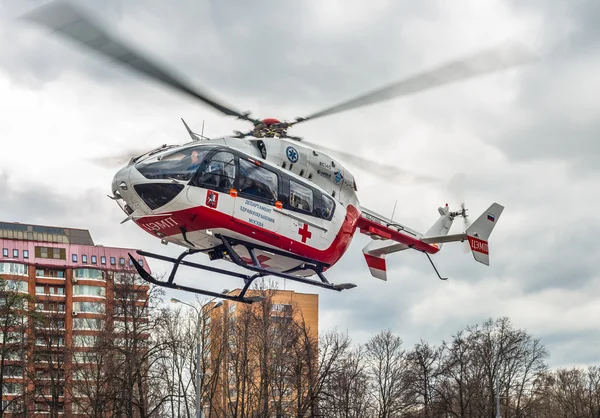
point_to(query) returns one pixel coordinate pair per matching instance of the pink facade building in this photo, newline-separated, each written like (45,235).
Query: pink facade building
(70,279)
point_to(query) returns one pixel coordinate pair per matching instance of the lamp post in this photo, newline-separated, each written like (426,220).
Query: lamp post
(501,351)
(199,349)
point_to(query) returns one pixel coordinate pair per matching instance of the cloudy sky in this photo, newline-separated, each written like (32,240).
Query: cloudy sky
(526,138)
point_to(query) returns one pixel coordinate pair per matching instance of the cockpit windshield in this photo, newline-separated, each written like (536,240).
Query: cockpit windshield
(180,164)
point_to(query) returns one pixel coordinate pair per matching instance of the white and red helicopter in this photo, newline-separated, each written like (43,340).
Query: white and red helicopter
(269,202)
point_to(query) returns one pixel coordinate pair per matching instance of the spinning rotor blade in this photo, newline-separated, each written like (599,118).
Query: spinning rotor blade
(120,159)
(484,62)
(73,24)
(389,172)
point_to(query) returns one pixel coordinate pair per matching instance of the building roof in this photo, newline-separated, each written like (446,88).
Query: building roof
(43,233)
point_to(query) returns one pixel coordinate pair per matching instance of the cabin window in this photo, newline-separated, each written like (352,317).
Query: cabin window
(327,206)
(257,181)
(301,197)
(219,172)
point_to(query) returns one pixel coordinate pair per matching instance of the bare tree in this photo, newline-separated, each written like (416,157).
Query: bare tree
(571,393)
(137,351)
(386,360)
(14,314)
(424,370)
(49,371)
(346,390)
(91,387)
(178,364)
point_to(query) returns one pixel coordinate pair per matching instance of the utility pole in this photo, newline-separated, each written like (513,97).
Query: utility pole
(199,349)
(501,351)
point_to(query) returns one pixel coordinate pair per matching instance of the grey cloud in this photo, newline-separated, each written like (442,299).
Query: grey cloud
(276,58)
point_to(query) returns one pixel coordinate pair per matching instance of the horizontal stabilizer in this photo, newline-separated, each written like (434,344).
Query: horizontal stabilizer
(375,252)
(444,238)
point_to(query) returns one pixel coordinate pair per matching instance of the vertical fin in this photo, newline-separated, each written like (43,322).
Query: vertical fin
(479,232)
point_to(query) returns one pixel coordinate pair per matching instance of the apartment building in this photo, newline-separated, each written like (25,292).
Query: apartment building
(249,341)
(71,284)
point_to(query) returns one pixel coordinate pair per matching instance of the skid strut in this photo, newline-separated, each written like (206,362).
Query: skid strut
(226,249)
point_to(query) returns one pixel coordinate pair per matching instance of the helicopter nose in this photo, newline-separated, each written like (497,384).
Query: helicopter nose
(120,183)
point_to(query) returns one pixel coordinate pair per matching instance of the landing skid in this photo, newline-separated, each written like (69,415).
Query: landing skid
(226,249)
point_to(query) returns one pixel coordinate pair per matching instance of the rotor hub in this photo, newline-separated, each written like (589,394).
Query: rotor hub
(270,128)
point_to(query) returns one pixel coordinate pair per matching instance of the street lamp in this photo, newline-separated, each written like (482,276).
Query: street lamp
(501,351)
(199,349)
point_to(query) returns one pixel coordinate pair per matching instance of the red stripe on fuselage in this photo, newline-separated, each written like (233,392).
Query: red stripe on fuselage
(200,218)
(368,227)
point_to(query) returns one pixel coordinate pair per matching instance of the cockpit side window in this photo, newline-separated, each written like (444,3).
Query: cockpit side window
(180,164)
(301,197)
(257,181)
(218,172)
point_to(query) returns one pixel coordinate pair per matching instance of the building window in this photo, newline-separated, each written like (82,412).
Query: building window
(88,274)
(83,290)
(113,261)
(84,258)
(13,269)
(94,259)
(16,286)
(51,252)
(25,253)
(103,260)
(55,274)
(74,258)
(15,253)
(122,261)
(87,324)
(88,307)
(141,262)
(39,290)
(5,252)
(57,290)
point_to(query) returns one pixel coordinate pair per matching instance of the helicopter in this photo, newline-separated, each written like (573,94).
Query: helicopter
(264,200)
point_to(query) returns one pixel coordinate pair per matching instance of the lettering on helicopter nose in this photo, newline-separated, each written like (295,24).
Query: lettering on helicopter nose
(160,225)
(479,245)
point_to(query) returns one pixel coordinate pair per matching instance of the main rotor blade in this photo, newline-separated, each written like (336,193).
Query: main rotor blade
(388,172)
(484,62)
(73,24)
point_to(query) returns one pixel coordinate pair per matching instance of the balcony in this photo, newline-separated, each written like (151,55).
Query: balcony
(50,274)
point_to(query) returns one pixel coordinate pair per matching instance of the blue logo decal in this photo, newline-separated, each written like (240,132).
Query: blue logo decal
(338,177)
(292,154)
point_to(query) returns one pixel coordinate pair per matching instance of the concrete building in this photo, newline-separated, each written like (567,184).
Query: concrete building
(236,356)
(69,279)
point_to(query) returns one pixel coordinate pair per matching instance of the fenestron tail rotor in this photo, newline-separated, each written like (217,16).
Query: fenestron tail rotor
(457,188)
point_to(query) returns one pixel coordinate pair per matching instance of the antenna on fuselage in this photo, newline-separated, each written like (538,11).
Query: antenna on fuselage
(194,135)
(394,211)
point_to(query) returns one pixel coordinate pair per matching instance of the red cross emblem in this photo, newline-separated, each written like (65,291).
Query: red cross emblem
(304,232)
